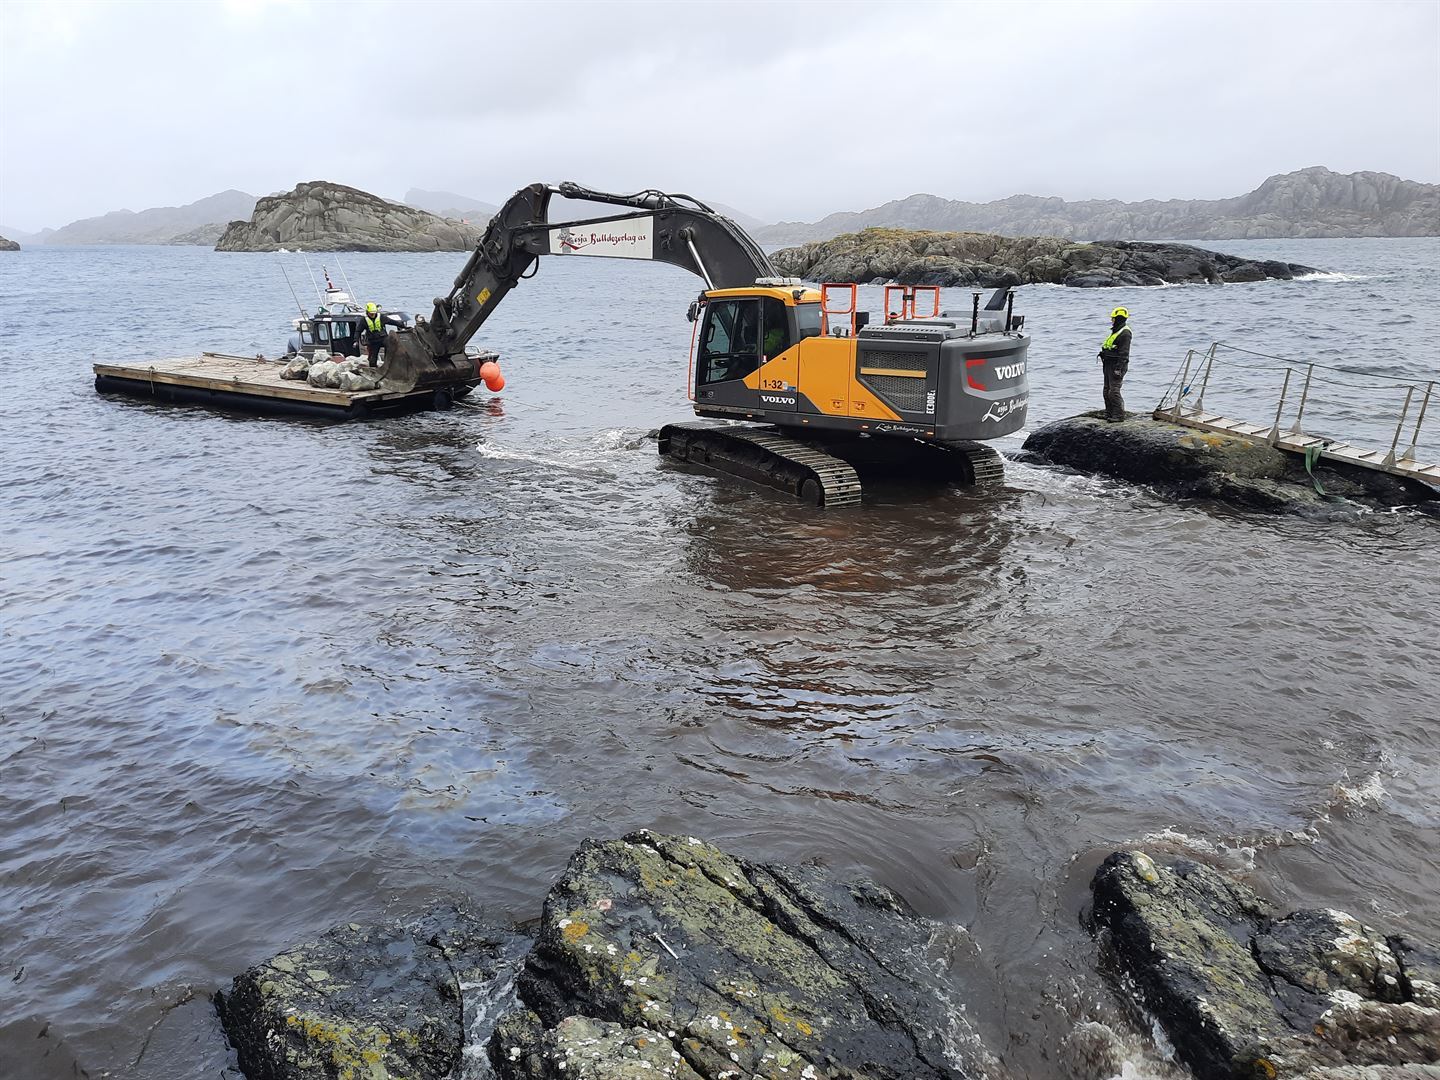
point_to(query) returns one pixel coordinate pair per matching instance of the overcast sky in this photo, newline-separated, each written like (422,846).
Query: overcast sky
(781,110)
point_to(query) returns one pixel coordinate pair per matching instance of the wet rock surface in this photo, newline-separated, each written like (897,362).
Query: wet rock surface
(920,257)
(733,969)
(1243,992)
(8,245)
(1185,462)
(324,216)
(383,1000)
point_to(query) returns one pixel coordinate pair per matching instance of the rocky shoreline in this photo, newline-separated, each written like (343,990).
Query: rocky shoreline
(664,956)
(1186,463)
(919,257)
(324,216)
(8,245)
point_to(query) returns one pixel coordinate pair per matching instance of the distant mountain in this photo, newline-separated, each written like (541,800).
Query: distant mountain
(20,236)
(449,205)
(159,225)
(1308,203)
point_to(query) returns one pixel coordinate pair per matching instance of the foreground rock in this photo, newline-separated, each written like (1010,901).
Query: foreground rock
(657,956)
(917,257)
(1243,992)
(1187,463)
(710,966)
(8,245)
(366,1002)
(322,216)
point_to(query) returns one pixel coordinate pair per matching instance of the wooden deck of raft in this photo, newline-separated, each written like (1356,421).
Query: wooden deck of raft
(253,384)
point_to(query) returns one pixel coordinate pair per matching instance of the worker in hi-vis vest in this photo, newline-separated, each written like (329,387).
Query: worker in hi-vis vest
(1115,360)
(374,332)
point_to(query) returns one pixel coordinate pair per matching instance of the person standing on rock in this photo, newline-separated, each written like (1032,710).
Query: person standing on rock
(374,332)
(1115,360)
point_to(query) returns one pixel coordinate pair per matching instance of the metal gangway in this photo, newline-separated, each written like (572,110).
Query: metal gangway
(1248,381)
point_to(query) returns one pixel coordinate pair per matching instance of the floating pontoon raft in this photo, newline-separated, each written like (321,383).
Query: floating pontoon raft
(253,384)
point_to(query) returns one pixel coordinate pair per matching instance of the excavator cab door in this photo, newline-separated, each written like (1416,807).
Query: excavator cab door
(729,352)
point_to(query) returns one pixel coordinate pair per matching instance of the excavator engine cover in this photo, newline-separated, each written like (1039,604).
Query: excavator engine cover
(935,375)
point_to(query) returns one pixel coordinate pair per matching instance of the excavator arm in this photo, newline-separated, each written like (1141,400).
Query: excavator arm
(659,227)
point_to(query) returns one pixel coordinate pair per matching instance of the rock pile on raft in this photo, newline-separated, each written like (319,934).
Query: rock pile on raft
(324,216)
(1184,462)
(657,956)
(343,373)
(921,257)
(8,245)
(1245,993)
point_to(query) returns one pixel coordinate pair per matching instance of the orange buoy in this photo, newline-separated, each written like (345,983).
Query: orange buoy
(489,370)
(495,383)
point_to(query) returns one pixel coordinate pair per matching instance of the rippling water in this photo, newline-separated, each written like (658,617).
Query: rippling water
(263,676)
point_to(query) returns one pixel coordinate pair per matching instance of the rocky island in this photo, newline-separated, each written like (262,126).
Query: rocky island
(664,956)
(921,257)
(324,216)
(8,245)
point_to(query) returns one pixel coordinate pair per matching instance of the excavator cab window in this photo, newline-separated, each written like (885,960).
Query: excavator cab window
(730,340)
(777,337)
(807,320)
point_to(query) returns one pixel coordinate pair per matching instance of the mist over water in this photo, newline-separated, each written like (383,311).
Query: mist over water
(263,676)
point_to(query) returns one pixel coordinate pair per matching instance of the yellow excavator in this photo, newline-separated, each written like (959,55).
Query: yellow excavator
(816,393)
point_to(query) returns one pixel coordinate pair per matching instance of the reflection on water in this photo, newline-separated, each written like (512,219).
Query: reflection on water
(265,676)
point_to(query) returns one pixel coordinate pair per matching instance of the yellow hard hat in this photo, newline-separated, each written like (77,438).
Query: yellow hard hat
(371,308)
(1120,313)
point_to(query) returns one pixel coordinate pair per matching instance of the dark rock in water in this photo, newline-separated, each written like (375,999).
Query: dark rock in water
(366,1001)
(668,950)
(1186,462)
(1242,992)
(918,257)
(8,245)
(323,216)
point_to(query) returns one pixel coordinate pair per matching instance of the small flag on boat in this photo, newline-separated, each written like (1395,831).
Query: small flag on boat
(328,283)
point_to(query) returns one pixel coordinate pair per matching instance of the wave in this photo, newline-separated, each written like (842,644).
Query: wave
(1328,275)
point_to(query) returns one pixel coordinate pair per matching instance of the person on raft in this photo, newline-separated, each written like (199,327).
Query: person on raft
(374,332)
(1115,361)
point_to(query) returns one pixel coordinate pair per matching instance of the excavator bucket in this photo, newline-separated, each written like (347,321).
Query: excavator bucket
(409,366)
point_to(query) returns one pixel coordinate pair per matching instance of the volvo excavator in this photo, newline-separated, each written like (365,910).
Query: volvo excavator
(815,393)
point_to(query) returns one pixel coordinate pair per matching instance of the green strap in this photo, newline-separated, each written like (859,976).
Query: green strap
(1110,341)
(1312,455)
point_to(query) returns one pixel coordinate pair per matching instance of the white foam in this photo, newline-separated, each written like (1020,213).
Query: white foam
(1322,275)
(1368,792)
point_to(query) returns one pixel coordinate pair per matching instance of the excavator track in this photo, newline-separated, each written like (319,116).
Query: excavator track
(986,466)
(766,457)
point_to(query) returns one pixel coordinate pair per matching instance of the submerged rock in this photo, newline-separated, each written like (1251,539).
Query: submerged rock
(1243,992)
(365,1001)
(323,216)
(1186,462)
(920,257)
(667,949)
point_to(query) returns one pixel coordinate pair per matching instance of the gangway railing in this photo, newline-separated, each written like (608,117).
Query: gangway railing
(1249,378)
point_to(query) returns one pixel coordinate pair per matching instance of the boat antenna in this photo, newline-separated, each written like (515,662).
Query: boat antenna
(320,299)
(292,287)
(346,278)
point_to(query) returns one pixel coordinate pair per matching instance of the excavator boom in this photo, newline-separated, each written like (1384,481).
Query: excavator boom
(659,227)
